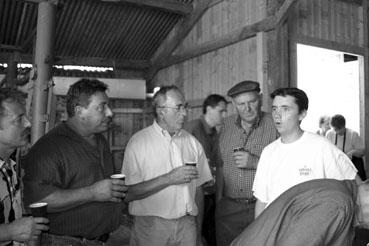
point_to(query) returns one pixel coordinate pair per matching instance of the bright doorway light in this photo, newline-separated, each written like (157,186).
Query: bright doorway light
(331,83)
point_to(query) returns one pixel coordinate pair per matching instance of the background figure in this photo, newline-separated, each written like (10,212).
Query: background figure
(165,194)
(242,139)
(324,125)
(70,168)
(204,129)
(348,141)
(297,156)
(14,132)
(316,212)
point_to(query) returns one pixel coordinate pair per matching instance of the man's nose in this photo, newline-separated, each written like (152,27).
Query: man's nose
(108,112)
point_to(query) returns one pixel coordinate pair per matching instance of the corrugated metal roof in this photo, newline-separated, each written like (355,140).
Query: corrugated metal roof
(90,28)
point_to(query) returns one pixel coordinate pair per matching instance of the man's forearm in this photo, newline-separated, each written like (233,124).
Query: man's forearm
(259,207)
(147,188)
(61,200)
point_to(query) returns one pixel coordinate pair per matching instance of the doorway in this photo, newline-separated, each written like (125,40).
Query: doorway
(331,79)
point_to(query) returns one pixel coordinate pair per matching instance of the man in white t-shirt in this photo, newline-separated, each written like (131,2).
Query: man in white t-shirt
(297,156)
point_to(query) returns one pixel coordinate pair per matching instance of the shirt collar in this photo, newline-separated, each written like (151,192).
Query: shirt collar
(10,163)
(163,132)
(255,125)
(207,128)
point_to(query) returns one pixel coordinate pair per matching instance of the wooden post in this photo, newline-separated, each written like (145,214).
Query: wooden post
(11,71)
(44,61)
(366,81)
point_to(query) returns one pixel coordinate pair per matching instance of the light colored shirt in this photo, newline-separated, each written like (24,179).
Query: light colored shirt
(152,152)
(282,166)
(347,142)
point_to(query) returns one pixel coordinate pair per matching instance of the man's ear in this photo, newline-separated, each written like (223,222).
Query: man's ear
(302,115)
(78,111)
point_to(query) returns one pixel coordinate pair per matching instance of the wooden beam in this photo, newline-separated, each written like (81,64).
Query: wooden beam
(83,61)
(358,2)
(329,44)
(179,32)
(10,47)
(167,5)
(249,31)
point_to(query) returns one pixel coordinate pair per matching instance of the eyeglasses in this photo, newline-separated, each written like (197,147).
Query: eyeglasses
(179,107)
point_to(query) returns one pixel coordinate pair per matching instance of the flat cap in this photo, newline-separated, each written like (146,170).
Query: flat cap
(244,86)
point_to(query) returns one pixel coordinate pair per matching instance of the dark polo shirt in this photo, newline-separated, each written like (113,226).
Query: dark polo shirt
(62,159)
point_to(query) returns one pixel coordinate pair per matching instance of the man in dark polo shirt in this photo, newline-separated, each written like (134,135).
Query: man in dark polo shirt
(214,110)
(242,139)
(69,168)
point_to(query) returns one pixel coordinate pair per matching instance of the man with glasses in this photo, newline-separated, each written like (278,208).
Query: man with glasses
(242,139)
(14,133)
(165,168)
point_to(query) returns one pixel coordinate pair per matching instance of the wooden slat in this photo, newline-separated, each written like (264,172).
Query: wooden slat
(168,5)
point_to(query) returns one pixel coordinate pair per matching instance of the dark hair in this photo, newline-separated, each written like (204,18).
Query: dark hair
(300,96)
(161,95)
(11,95)
(79,93)
(212,100)
(338,121)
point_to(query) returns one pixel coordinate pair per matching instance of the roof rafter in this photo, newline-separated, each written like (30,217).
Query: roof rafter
(179,32)
(169,5)
(267,24)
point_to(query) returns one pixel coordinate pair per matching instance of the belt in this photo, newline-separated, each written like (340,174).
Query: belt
(251,200)
(102,239)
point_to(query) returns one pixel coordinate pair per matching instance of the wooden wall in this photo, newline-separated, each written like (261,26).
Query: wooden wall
(324,23)
(217,71)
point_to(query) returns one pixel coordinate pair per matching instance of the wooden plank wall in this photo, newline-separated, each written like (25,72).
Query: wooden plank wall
(329,20)
(217,71)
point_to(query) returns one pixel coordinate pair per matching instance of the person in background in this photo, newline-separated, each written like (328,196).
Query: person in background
(70,167)
(242,139)
(324,125)
(315,212)
(14,132)
(165,193)
(348,141)
(297,156)
(214,110)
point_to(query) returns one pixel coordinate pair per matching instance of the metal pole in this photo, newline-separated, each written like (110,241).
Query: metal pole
(44,61)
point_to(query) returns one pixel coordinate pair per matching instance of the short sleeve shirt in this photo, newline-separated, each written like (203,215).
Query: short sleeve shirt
(152,152)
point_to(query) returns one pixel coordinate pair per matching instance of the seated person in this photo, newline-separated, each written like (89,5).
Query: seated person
(316,212)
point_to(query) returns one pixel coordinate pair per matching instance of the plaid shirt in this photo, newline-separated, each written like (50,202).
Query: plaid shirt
(238,182)
(10,194)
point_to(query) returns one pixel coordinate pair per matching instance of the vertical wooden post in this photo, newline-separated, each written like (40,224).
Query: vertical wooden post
(44,62)
(366,80)
(11,71)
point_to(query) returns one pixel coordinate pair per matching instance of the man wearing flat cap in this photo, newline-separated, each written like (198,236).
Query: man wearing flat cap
(242,139)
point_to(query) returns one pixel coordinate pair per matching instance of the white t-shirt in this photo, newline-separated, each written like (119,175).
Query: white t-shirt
(282,166)
(152,152)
